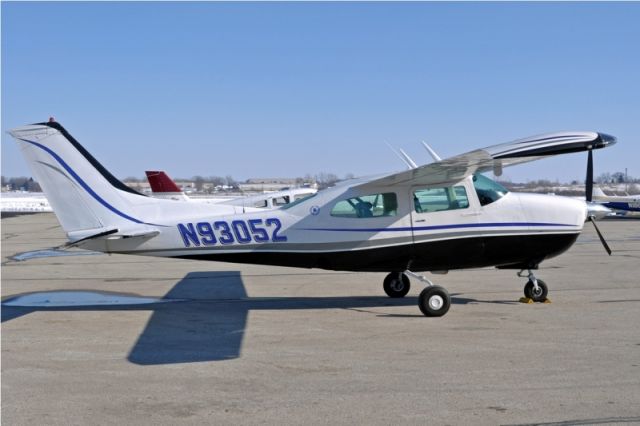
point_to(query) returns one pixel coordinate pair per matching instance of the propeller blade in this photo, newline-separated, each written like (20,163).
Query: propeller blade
(604,243)
(588,189)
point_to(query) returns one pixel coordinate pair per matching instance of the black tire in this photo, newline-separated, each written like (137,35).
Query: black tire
(396,287)
(434,301)
(539,296)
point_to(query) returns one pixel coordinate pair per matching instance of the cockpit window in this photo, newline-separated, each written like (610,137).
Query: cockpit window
(488,190)
(374,205)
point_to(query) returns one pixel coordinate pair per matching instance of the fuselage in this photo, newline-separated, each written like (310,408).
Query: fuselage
(461,225)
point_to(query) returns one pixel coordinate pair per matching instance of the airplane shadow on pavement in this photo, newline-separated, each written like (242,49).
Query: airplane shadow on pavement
(202,318)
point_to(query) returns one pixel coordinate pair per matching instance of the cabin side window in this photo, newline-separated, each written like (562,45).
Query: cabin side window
(440,199)
(375,205)
(281,201)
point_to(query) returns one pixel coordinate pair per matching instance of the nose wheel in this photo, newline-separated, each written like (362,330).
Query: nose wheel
(434,301)
(538,294)
(535,289)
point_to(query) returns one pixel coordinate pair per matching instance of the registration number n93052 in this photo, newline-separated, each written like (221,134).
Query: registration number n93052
(237,231)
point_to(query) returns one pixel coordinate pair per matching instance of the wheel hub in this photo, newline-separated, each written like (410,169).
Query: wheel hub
(436,302)
(397,285)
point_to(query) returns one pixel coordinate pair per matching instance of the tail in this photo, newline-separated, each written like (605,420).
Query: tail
(597,192)
(87,199)
(163,187)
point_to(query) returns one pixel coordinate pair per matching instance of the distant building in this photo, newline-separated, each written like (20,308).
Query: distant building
(272,184)
(251,185)
(143,187)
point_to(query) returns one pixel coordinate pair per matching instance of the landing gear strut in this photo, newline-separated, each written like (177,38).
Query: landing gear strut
(434,301)
(535,289)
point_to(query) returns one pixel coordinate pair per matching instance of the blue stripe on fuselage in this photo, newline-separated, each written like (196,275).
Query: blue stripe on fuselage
(438,227)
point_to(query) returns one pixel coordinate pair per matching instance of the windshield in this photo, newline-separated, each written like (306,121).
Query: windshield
(488,190)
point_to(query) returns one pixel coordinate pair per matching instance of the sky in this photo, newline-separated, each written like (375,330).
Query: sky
(289,89)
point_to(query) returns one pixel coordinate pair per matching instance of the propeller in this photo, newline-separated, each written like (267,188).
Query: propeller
(602,240)
(594,210)
(589,181)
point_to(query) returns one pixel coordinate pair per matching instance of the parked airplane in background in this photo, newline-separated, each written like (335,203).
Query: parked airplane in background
(162,186)
(621,203)
(24,202)
(438,217)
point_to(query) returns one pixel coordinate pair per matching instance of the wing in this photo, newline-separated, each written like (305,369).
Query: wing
(494,158)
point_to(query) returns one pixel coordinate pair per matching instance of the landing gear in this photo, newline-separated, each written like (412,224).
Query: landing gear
(535,289)
(538,294)
(396,285)
(434,301)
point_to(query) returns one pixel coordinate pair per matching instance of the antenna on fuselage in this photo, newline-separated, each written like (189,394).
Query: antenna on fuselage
(412,164)
(403,157)
(431,152)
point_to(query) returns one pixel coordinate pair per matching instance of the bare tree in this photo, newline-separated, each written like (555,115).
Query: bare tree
(217,180)
(33,186)
(18,183)
(325,180)
(231,181)
(604,178)
(199,182)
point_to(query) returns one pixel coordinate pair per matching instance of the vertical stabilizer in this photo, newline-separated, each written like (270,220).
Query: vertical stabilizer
(82,193)
(162,186)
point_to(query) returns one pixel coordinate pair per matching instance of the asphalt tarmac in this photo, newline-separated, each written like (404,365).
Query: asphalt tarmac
(99,339)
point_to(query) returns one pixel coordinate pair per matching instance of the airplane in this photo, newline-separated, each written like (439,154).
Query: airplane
(21,202)
(162,186)
(441,216)
(626,204)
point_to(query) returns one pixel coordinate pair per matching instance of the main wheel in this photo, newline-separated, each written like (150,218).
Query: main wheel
(434,301)
(537,296)
(396,285)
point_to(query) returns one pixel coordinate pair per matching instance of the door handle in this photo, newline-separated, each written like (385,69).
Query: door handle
(472,214)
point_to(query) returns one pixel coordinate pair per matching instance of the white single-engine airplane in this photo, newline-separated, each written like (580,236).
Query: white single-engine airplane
(437,217)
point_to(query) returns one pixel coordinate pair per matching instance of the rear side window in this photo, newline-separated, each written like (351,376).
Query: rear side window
(375,205)
(440,199)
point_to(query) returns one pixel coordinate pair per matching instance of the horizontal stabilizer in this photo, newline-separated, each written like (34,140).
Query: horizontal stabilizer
(79,237)
(141,234)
